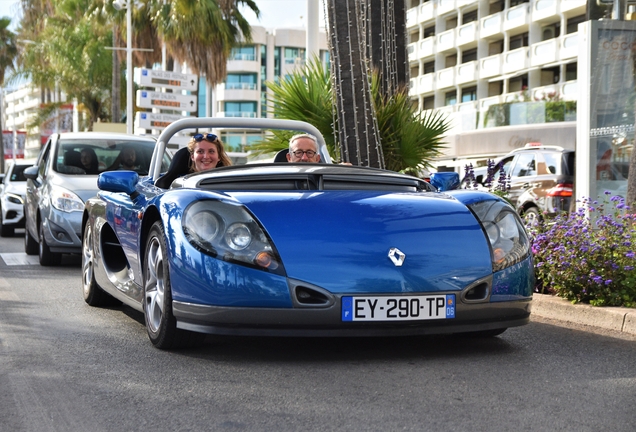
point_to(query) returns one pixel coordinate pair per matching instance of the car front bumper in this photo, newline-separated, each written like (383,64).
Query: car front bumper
(62,231)
(322,322)
(12,214)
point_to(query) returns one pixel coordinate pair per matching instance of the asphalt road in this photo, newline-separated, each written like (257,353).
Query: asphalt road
(65,366)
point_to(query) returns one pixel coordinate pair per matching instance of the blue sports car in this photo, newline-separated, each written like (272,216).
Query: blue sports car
(301,249)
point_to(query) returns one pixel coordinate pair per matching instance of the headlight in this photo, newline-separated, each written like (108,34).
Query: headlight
(508,240)
(229,232)
(65,200)
(15,199)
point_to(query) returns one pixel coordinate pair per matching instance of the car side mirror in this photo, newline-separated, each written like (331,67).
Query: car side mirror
(118,181)
(444,181)
(31,172)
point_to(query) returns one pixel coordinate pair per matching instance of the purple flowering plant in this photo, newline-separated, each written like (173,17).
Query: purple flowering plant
(588,256)
(501,187)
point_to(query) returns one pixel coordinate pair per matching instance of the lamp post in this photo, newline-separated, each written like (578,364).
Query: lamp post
(119,5)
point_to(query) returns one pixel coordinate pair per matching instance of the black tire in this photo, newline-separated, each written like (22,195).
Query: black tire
(47,258)
(531,216)
(157,302)
(30,244)
(5,231)
(94,295)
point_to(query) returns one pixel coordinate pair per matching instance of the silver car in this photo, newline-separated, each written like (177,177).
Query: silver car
(64,177)
(12,191)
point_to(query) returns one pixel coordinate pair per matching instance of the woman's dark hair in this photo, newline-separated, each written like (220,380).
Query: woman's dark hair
(93,168)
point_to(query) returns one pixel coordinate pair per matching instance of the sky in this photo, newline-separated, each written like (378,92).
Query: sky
(274,13)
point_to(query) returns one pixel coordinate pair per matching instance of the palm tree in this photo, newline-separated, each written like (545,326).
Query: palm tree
(409,140)
(358,132)
(8,48)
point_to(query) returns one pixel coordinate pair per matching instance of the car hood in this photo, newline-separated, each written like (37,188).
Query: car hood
(340,240)
(85,186)
(18,188)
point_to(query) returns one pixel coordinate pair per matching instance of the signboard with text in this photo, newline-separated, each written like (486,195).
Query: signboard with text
(166,101)
(165,79)
(146,120)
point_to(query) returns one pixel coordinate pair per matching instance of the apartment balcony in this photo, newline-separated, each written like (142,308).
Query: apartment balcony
(411,50)
(238,92)
(247,64)
(467,72)
(543,53)
(467,34)
(426,47)
(426,83)
(445,6)
(573,4)
(569,46)
(485,103)
(491,25)
(517,18)
(546,92)
(412,17)
(446,40)
(490,66)
(569,91)
(515,60)
(544,9)
(446,78)
(426,11)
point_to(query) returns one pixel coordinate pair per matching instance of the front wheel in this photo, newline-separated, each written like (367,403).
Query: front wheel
(47,258)
(94,295)
(160,323)
(30,243)
(531,216)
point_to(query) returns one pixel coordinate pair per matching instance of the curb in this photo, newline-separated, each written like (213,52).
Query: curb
(610,318)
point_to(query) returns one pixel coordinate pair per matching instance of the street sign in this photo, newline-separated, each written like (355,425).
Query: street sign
(166,101)
(146,120)
(164,79)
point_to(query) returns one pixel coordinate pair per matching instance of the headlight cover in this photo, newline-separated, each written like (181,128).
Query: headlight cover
(65,200)
(229,232)
(14,198)
(508,240)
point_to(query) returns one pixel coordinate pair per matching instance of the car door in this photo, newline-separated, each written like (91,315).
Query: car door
(523,178)
(34,190)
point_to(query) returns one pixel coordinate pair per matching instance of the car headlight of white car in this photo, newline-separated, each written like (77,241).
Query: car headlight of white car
(65,200)
(14,198)
(509,242)
(229,232)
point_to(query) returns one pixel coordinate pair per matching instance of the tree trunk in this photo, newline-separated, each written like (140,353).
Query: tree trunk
(115,95)
(358,136)
(387,43)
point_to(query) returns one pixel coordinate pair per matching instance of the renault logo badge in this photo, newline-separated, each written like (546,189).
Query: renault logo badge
(396,256)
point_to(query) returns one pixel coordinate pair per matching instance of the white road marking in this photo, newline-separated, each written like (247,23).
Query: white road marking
(19,258)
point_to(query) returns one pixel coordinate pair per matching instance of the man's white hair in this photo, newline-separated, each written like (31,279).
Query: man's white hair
(303,135)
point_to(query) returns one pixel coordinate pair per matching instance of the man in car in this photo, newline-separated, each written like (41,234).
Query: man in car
(303,148)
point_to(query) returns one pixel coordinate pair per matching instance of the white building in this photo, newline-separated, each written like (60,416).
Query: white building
(475,59)
(271,56)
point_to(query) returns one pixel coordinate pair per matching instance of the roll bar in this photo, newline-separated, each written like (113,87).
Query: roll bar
(231,123)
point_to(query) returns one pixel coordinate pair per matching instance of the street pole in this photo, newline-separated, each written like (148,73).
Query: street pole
(129,69)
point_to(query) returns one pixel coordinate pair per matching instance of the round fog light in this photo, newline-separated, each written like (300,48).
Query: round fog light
(238,236)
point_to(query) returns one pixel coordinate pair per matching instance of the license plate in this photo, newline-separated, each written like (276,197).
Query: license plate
(402,308)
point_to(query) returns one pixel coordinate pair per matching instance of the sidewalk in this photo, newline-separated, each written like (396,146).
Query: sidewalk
(610,318)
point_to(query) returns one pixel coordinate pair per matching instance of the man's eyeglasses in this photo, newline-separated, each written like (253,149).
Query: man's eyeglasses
(299,153)
(210,137)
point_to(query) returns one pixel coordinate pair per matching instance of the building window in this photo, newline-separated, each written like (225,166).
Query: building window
(429,67)
(276,63)
(518,84)
(495,88)
(469,17)
(428,103)
(572,25)
(450,61)
(496,6)
(469,55)
(295,56)
(550,32)
(240,109)
(469,94)
(240,81)
(495,47)
(570,71)
(414,36)
(451,23)
(450,98)
(519,41)
(263,63)
(514,3)
(429,31)
(550,76)
(415,71)
(246,52)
